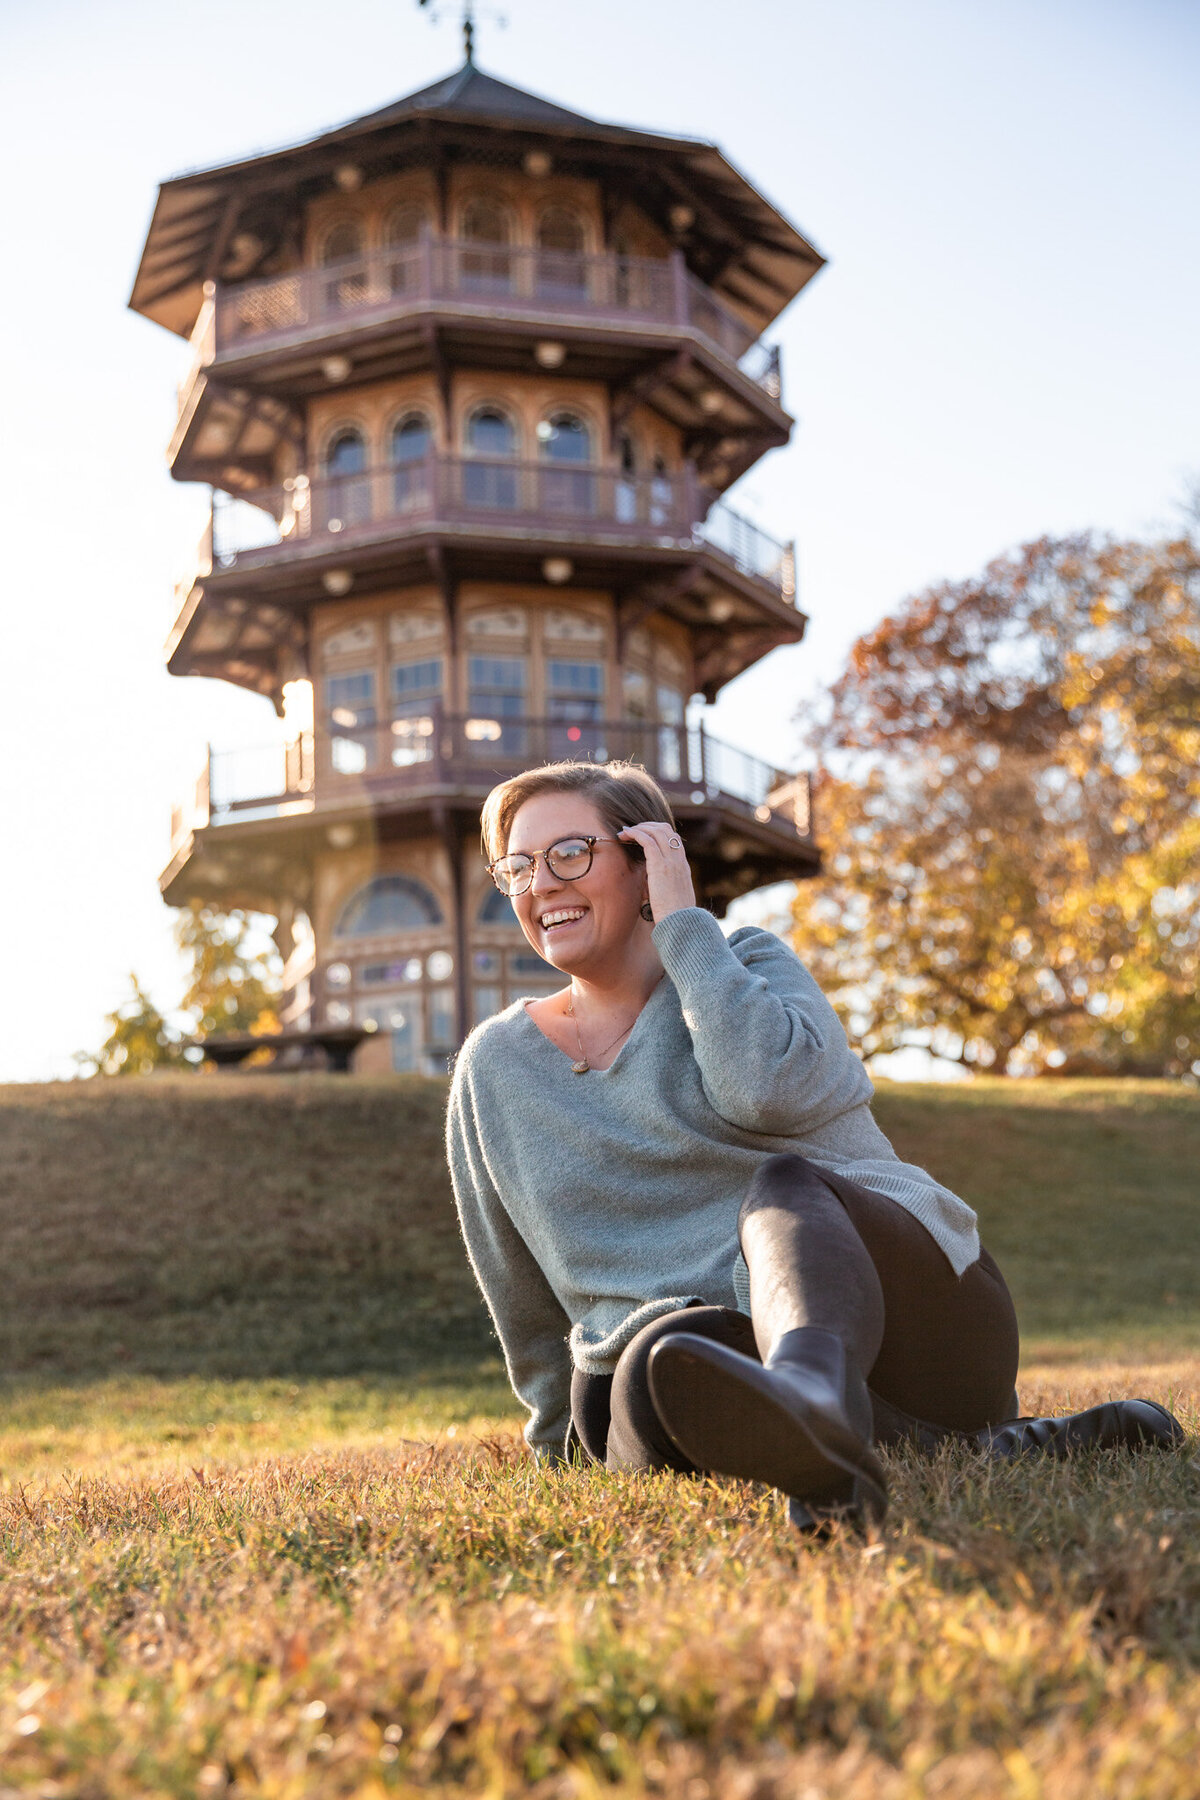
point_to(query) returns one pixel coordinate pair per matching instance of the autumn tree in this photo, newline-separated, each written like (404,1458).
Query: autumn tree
(235,971)
(1010,794)
(234,987)
(139,1040)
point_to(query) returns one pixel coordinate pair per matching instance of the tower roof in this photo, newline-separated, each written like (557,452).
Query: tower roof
(738,242)
(470,94)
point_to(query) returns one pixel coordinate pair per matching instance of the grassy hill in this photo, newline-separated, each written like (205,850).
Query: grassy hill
(253,1226)
(266,1528)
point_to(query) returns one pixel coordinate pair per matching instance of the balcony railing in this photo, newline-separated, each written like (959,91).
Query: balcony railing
(387,762)
(493,495)
(493,280)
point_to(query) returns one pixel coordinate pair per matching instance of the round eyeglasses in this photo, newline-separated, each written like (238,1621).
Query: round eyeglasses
(570,858)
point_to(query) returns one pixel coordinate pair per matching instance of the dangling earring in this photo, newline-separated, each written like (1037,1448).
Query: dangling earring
(647,912)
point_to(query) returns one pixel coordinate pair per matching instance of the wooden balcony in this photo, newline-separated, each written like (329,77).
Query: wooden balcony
(547,505)
(491,280)
(412,761)
(646,328)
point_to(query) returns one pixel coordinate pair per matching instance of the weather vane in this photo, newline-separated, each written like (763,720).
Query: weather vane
(469,11)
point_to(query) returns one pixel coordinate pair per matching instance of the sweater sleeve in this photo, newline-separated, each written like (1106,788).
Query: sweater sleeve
(772,1053)
(530,1323)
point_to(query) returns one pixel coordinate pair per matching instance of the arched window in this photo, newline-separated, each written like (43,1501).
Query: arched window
(561,269)
(410,445)
(345,494)
(564,440)
(490,432)
(492,439)
(389,903)
(343,240)
(484,260)
(347,454)
(497,909)
(343,250)
(403,225)
(403,230)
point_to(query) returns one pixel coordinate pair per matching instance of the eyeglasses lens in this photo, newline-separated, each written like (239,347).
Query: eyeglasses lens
(570,859)
(512,876)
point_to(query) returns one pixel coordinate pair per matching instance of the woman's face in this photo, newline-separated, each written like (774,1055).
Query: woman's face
(582,926)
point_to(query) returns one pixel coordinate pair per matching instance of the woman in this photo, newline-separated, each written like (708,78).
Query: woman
(696,1244)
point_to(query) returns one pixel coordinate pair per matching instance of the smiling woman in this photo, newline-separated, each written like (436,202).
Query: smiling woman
(683,1129)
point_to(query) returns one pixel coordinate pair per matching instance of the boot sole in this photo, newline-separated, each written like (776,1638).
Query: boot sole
(1113,1425)
(725,1417)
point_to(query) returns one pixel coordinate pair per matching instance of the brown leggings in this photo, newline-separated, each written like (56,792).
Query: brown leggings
(946,1365)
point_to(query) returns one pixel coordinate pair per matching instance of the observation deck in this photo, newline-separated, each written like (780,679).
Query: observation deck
(646,326)
(271,553)
(746,822)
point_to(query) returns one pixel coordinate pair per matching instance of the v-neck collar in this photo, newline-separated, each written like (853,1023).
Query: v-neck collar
(652,996)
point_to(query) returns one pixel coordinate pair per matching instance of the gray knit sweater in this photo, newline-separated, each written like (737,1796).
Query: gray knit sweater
(591,1204)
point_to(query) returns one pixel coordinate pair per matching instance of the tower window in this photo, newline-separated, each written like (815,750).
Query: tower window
(564,439)
(350,719)
(574,684)
(492,435)
(484,259)
(403,230)
(389,903)
(575,701)
(347,454)
(343,241)
(561,268)
(342,250)
(404,225)
(345,495)
(496,699)
(495,909)
(411,442)
(491,432)
(416,691)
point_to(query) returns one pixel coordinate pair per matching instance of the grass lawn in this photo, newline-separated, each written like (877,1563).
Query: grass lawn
(267,1528)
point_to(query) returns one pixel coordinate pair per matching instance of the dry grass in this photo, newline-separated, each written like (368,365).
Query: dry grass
(337,1575)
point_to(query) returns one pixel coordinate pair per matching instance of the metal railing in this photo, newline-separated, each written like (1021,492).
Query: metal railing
(388,761)
(491,278)
(565,499)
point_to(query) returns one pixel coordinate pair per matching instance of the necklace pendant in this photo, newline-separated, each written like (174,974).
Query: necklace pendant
(581,1068)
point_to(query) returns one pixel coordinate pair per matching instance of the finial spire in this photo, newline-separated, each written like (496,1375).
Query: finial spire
(469,9)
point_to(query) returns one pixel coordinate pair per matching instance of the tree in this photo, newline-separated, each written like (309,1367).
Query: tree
(235,983)
(139,1040)
(234,986)
(1010,788)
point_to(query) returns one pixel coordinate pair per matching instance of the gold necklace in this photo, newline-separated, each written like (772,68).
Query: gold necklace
(583,1066)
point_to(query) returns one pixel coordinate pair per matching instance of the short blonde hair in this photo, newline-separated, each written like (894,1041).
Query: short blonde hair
(622,793)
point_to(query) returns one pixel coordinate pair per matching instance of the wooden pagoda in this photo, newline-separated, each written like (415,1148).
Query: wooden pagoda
(469,376)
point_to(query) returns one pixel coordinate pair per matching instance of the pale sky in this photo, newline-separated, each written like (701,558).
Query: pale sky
(1004,344)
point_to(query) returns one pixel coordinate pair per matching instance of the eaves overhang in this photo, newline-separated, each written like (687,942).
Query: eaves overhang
(739,242)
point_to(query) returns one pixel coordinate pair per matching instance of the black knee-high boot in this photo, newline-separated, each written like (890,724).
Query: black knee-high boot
(801,1419)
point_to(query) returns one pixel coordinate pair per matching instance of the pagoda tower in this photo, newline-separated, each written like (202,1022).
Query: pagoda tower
(469,376)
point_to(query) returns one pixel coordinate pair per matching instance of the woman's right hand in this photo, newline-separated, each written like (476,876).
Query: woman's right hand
(668,876)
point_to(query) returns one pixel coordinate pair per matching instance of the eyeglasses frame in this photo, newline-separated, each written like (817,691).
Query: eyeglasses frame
(537,856)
